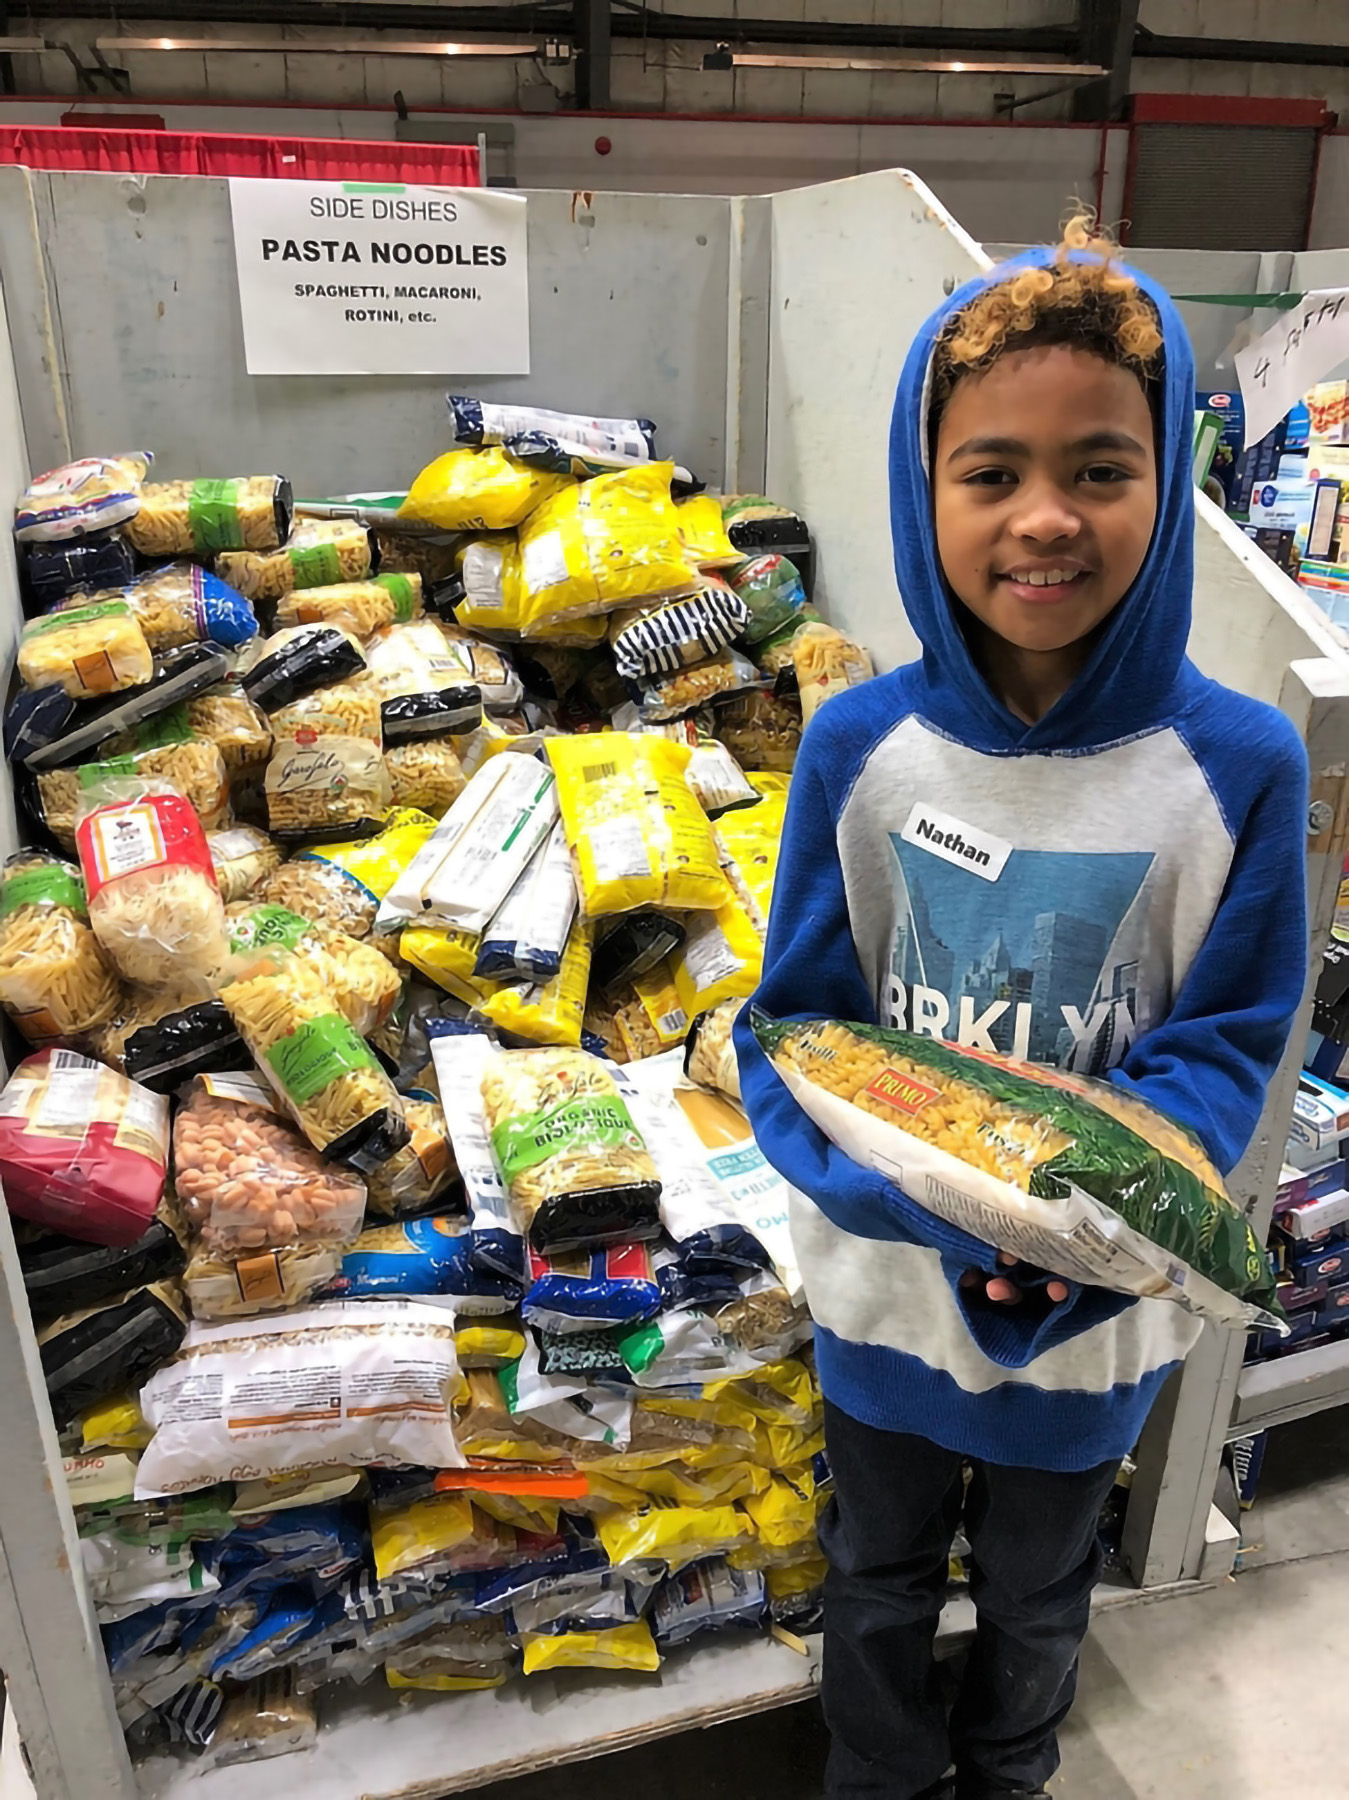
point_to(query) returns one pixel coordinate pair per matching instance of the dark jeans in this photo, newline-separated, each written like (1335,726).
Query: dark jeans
(887,1533)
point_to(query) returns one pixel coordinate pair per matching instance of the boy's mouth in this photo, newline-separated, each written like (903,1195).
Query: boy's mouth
(1046,583)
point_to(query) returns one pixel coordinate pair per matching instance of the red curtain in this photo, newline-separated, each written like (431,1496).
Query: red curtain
(221,153)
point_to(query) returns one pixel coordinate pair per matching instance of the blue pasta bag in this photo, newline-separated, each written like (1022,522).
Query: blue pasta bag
(589,1288)
(430,1258)
(180,603)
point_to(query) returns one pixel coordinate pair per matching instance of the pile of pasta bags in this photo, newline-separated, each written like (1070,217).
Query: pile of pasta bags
(395,876)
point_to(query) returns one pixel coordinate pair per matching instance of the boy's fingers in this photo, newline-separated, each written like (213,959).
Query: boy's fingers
(1006,1258)
(971,1278)
(1057,1290)
(1007,1292)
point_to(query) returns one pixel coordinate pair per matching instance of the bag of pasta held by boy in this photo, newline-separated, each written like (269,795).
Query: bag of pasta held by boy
(1074,1176)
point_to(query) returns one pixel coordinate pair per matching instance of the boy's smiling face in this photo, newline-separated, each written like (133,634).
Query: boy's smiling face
(1044,482)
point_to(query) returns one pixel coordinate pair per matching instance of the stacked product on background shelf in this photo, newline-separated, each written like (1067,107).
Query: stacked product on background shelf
(407,1311)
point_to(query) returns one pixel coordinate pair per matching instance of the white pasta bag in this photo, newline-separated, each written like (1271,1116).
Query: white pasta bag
(338,1386)
(525,939)
(154,901)
(469,864)
(691,1201)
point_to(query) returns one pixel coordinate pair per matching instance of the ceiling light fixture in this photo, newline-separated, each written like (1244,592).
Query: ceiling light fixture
(312,46)
(723,57)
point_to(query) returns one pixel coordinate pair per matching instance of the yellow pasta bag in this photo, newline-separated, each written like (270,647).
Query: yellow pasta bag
(620,1647)
(649,1015)
(549,1012)
(704,533)
(673,1533)
(425,1531)
(480,1346)
(751,837)
(444,1684)
(637,835)
(539,1516)
(787,1580)
(721,958)
(479,490)
(784,1510)
(598,546)
(447,958)
(116,1423)
(675,1480)
(775,1393)
(88,650)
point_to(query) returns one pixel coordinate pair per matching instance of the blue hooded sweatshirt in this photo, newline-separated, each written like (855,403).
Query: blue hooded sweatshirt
(1117,889)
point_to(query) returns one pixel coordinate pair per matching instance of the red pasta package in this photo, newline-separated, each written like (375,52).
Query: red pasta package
(83,1151)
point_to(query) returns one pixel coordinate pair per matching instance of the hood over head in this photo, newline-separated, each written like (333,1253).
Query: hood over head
(1129,679)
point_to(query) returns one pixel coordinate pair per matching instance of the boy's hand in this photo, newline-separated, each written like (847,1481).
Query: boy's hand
(1005,1290)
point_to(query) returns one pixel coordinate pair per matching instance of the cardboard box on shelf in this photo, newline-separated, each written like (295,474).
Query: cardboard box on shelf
(1318,1262)
(1320,1116)
(1328,406)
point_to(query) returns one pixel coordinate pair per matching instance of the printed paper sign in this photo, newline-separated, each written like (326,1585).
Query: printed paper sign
(374,278)
(1299,349)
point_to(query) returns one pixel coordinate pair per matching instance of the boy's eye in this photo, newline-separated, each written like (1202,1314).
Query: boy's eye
(990,478)
(1105,472)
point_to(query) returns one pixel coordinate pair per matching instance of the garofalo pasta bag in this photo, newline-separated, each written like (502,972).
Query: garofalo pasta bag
(1076,1176)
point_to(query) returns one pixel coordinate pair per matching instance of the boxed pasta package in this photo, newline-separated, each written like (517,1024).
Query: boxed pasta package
(575,1167)
(83,1151)
(1076,1176)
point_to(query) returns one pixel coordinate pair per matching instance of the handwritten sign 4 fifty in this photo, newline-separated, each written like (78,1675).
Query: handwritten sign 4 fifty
(1301,348)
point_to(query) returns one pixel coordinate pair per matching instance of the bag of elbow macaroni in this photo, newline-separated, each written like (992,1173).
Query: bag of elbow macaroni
(479,490)
(1076,1176)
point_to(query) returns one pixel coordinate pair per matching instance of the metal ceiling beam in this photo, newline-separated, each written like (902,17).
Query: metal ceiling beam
(1108,29)
(591,35)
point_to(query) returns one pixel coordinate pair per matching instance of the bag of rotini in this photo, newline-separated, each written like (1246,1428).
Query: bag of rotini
(574,1164)
(322,1069)
(357,606)
(1075,1176)
(181,604)
(479,490)
(228,719)
(318,553)
(201,518)
(341,883)
(636,834)
(317,783)
(608,543)
(55,981)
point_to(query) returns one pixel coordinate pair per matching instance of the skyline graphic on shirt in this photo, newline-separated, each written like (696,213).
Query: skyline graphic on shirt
(1041,963)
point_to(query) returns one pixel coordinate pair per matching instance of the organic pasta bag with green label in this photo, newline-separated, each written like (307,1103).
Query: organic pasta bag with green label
(575,1167)
(322,1069)
(201,518)
(357,606)
(608,543)
(1076,1176)
(318,553)
(637,835)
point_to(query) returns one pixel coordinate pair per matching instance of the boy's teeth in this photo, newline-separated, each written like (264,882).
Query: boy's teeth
(1045,577)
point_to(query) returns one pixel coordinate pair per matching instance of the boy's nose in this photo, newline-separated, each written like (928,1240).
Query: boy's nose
(1046,518)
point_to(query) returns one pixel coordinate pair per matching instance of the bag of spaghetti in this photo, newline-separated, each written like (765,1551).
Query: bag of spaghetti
(181,604)
(827,663)
(319,1066)
(363,983)
(608,543)
(547,1012)
(1075,1176)
(636,834)
(201,518)
(166,752)
(227,718)
(86,650)
(339,883)
(318,553)
(154,902)
(357,606)
(479,490)
(55,981)
(575,1167)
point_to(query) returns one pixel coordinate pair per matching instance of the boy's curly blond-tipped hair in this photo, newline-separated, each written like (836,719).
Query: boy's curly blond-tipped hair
(1083,298)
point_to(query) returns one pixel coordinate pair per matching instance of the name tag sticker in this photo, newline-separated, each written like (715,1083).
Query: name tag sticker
(955,842)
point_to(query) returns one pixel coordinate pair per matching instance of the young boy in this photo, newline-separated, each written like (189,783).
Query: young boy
(1052,837)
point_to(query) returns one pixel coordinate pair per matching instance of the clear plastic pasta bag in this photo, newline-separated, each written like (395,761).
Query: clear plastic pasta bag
(86,650)
(242,857)
(318,553)
(248,1182)
(55,981)
(348,709)
(636,834)
(200,518)
(322,1069)
(423,1171)
(333,783)
(426,774)
(191,766)
(710,1058)
(357,606)
(826,663)
(154,903)
(227,718)
(1076,1176)
(181,603)
(361,980)
(671,695)
(762,730)
(93,494)
(574,1164)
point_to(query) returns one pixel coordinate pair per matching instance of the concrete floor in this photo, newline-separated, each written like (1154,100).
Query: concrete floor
(1230,1693)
